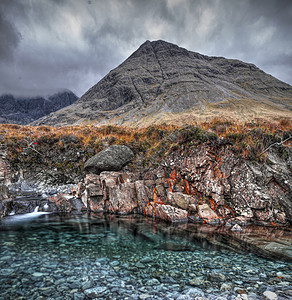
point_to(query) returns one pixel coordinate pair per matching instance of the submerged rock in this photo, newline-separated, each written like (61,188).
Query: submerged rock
(95,292)
(169,246)
(113,158)
(268,295)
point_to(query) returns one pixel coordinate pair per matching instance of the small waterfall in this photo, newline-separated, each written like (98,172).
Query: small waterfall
(46,206)
(16,218)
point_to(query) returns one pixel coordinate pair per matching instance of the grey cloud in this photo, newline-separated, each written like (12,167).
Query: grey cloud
(9,38)
(74,43)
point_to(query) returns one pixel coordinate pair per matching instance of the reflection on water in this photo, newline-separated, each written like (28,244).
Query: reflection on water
(72,256)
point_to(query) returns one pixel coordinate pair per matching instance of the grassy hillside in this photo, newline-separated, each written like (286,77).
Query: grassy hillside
(59,153)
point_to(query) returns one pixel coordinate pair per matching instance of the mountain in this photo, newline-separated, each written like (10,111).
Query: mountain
(161,82)
(25,110)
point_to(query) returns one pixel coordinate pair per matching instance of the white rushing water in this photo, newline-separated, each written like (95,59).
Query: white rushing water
(24,217)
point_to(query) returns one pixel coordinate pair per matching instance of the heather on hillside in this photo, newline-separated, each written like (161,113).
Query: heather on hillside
(60,152)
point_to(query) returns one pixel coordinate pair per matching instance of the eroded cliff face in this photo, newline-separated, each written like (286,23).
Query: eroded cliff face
(205,182)
(208,185)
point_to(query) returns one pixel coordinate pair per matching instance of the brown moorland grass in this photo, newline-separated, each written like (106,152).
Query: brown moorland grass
(249,139)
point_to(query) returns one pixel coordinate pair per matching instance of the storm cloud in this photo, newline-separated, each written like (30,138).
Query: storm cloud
(50,45)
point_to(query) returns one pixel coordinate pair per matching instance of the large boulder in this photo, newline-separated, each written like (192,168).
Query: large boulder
(207,214)
(180,200)
(166,212)
(122,198)
(63,203)
(113,158)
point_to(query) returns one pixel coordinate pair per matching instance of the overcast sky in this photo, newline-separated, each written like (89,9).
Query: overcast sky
(48,45)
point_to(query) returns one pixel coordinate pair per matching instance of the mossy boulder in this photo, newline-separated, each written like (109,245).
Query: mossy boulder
(113,158)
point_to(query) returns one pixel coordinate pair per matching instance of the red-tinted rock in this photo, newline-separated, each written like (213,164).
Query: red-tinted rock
(142,192)
(61,202)
(263,216)
(207,214)
(92,197)
(166,212)
(180,200)
(237,186)
(110,178)
(80,189)
(122,198)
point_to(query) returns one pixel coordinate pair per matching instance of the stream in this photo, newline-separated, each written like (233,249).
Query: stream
(51,256)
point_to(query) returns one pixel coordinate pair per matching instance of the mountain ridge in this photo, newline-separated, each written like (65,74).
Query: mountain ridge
(162,82)
(23,110)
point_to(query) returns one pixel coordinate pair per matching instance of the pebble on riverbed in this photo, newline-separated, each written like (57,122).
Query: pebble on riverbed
(268,295)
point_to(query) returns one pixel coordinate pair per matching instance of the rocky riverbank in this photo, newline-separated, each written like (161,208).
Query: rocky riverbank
(182,174)
(204,185)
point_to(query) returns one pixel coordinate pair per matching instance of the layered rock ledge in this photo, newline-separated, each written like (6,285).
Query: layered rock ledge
(205,185)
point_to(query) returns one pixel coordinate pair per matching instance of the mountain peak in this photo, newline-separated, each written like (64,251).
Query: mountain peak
(162,82)
(165,49)
(158,44)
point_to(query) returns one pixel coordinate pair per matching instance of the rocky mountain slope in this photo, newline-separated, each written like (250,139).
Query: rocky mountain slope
(20,110)
(161,82)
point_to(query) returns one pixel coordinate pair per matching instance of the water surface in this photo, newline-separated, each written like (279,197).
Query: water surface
(47,256)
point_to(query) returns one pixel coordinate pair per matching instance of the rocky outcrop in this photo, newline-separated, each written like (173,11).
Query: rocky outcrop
(20,110)
(208,185)
(232,186)
(166,212)
(112,158)
(123,193)
(161,80)
(5,173)
(4,192)
(4,180)
(63,203)
(112,192)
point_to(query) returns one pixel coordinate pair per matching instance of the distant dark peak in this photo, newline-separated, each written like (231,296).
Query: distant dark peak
(22,110)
